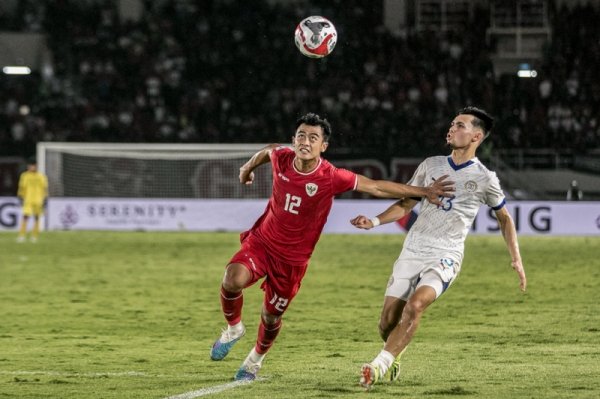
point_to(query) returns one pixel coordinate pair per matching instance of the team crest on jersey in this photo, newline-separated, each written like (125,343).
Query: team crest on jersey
(471,186)
(311,189)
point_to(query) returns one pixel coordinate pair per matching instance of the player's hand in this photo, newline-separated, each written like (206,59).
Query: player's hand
(246,175)
(362,222)
(518,266)
(438,189)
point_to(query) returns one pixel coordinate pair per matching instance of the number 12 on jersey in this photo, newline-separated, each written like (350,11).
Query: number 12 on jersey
(291,203)
(279,302)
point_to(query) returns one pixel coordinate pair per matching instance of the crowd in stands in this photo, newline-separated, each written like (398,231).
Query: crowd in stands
(215,71)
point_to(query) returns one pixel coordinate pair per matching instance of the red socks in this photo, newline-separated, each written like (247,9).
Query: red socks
(266,336)
(231,303)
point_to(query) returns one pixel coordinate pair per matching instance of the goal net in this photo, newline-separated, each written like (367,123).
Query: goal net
(129,170)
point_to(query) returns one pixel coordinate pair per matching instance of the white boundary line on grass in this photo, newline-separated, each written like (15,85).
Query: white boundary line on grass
(76,374)
(210,390)
(187,395)
(97,374)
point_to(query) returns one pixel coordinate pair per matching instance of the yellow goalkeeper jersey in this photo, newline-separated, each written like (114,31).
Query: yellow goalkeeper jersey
(33,187)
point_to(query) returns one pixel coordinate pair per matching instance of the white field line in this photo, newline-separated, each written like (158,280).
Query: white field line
(93,375)
(187,395)
(210,390)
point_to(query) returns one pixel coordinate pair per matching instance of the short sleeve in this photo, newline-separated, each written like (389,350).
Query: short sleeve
(343,180)
(494,196)
(278,152)
(419,177)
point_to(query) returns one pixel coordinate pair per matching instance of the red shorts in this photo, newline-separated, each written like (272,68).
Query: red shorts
(282,281)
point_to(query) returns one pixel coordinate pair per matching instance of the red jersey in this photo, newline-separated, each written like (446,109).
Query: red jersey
(299,205)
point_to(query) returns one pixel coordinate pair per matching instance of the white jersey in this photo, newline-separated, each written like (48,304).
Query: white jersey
(441,230)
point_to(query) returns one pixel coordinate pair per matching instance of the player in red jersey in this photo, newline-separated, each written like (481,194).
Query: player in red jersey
(279,245)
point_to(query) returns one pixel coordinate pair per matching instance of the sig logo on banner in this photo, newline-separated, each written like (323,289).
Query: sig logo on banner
(9,213)
(531,219)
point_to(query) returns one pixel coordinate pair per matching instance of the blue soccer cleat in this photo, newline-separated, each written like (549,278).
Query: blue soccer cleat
(244,375)
(223,345)
(248,370)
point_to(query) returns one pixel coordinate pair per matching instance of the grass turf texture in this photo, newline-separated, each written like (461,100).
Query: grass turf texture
(133,315)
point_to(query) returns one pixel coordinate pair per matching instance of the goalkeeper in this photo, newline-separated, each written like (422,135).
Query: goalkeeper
(33,191)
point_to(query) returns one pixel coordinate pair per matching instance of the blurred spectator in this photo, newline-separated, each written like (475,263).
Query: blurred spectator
(574,193)
(215,71)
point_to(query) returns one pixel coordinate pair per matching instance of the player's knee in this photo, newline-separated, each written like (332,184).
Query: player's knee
(269,319)
(414,307)
(236,277)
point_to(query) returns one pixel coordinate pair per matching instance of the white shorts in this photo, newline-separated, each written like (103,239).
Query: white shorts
(412,271)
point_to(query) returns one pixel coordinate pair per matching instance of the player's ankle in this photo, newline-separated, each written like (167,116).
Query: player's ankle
(256,357)
(237,328)
(383,361)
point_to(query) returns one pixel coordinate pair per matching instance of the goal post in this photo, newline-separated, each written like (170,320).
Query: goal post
(141,170)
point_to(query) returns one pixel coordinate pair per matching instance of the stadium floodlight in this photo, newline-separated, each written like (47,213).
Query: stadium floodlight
(525,71)
(16,70)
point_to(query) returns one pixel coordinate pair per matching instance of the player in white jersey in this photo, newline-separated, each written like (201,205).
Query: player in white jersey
(433,250)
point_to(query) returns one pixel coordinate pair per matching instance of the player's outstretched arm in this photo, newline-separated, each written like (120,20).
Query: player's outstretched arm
(261,157)
(507,226)
(387,189)
(396,211)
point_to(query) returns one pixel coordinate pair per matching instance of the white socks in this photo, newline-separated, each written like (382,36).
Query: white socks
(236,330)
(255,357)
(384,360)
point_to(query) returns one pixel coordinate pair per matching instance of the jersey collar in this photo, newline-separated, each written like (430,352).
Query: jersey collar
(307,173)
(462,165)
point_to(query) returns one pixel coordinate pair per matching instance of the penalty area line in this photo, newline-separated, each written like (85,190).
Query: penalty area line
(211,390)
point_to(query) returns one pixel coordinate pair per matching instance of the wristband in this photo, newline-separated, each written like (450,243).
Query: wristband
(376,222)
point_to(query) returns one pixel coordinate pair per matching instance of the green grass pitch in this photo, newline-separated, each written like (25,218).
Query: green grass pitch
(133,315)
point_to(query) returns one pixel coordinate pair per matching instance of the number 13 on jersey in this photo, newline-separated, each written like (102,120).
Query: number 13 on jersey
(446,204)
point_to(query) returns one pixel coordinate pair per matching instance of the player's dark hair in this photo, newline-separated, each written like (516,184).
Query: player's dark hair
(313,119)
(481,119)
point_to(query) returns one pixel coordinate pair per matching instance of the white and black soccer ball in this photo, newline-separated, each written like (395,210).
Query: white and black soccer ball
(315,37)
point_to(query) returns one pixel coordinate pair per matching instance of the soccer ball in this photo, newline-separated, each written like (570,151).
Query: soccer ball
(315,37)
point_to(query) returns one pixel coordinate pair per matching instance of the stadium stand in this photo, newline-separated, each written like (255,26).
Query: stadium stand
(221,73)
